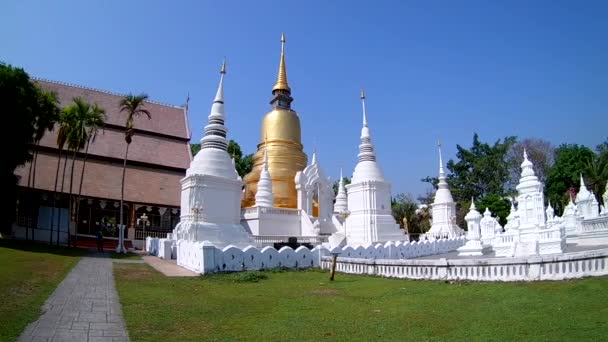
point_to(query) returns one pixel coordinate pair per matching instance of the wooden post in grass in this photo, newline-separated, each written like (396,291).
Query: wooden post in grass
(334,261)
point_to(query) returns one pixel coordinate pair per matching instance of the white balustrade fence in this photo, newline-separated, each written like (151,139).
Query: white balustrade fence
(559,267)
(203,257)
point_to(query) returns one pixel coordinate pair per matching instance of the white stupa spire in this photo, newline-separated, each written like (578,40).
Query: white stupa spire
(341,205)
(264,196)
(527,168)
(367,167)
(213,158)
(215,131)
(583,193)
(473,213)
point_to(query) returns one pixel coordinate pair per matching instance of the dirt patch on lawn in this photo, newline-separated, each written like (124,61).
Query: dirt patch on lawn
(324,292)
(133,272)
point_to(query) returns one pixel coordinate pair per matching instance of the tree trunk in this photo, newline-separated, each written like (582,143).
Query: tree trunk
(29,184)
(65,163)
(34,213)
(84,163)
(54,197)
(122,195)
(71,202)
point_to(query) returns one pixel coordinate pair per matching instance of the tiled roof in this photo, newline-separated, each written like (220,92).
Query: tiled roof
(171,150)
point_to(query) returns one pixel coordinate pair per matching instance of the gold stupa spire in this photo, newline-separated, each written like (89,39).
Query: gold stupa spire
(281,83)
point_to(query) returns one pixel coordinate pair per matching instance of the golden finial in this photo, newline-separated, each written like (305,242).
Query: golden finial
(362,94)
(223,69)
(281,83)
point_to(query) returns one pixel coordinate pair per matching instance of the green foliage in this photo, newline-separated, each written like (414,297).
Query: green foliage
(195,148)
(498,205)
(306,306)
(480,170)
(403,208)
(133,105)
(81,121)
(30,112)
(570,161)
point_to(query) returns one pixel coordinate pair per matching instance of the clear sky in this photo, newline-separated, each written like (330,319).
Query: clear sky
(431,69)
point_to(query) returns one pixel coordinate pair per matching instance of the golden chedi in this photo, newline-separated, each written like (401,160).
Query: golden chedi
(281,139)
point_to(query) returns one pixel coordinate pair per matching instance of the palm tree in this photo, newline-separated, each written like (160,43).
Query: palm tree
(62,136)
(133,106)
(45,121)
(85,121)
(596,174)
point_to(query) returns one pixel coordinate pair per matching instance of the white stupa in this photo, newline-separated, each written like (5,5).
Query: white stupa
(264,196)
(211,190)
(369,198)
(474,246)
(341,205)
(586,202)
(444,208)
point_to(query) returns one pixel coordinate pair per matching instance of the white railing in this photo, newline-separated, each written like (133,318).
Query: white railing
(266,210)
(141,235)
(269,240)
(597,224)
(565,266)
(550,234)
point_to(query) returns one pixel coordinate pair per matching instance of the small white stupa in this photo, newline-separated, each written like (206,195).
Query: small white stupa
(264,196)
(369,198)
(211,190)
(444,208)
(341,205)
(586,202)
(474,246)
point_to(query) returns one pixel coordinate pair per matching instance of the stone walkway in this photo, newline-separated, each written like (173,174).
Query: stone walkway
(168,267)
(84,307)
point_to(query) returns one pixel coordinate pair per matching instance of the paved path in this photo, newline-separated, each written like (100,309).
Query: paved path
(84,307)
(168,267)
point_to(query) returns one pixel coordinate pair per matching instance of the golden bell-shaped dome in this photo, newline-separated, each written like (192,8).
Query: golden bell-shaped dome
(281,138)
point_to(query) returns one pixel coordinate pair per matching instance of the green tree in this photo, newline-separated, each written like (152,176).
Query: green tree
(596,171)
(403,208)
(133,106)
(86,120)
(498,205)
(32,113)
(571,160)
(195,148)
(62,137)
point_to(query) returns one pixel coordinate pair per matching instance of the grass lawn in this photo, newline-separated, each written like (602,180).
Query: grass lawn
(29,273)
(304,305)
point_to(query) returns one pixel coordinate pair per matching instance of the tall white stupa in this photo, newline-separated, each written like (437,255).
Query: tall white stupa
(369,197)
(211,190)
(444,208)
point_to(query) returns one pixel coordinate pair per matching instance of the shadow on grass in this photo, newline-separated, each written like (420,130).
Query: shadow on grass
(39,247)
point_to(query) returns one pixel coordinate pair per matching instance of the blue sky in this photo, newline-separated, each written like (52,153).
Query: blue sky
(431,69)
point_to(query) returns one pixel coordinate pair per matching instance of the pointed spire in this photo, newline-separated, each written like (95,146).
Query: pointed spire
(582,181)
(441,171)
(314,156)
(281,83)
(215,131)
(341,177)
(472,204)
(366,149)
(364,110)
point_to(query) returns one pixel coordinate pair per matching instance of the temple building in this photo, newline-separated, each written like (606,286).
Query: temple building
(158,158)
